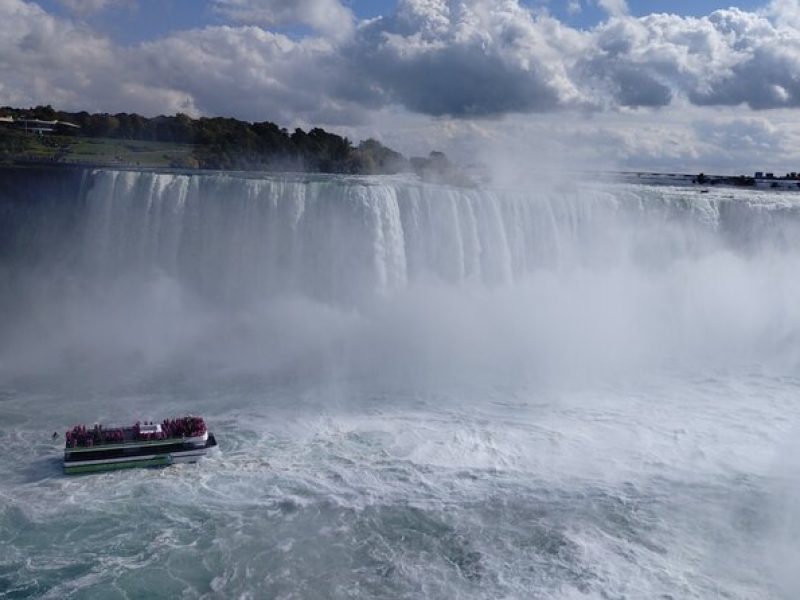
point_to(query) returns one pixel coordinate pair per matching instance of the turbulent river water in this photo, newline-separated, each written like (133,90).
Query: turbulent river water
(567,391)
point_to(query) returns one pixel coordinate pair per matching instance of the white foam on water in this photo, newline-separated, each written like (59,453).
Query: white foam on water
(418,391)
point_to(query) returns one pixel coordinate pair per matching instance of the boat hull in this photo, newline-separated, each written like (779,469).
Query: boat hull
(136,457)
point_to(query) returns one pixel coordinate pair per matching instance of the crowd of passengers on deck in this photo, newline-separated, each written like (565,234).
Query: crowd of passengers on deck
(82,437)
(183,427)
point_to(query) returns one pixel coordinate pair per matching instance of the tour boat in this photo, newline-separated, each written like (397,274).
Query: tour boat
(148,444)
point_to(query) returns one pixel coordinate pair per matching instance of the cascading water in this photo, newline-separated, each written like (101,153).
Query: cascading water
(420,391)
(339,238)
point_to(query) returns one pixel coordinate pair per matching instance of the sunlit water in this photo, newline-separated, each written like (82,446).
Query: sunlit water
(418,391)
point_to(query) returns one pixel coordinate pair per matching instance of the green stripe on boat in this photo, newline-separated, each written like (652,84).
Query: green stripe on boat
(158,461)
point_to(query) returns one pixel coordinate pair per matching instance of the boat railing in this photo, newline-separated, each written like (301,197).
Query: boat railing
(81,436)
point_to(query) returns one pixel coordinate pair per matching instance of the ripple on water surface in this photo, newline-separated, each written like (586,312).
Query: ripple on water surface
(530,497)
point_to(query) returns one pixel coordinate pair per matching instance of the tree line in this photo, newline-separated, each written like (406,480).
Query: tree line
(226,143)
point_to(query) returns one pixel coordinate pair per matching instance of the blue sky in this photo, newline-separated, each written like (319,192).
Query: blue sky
(657,84)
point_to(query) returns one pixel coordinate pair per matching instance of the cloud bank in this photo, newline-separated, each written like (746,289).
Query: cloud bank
(459,59)
(463,58)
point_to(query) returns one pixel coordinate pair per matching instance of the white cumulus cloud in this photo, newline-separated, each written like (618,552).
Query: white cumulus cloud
(248,72)
(468,58)
(327,16)
(84,7)
(614,7)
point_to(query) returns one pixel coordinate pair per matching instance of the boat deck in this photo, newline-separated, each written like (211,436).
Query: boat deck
(169,431)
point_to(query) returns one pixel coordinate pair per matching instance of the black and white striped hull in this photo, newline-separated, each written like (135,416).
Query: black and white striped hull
(133,457)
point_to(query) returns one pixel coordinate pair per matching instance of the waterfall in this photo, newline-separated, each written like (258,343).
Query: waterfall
(337,238)
(381,271)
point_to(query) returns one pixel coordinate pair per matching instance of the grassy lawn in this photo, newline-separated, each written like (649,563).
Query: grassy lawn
(100,151)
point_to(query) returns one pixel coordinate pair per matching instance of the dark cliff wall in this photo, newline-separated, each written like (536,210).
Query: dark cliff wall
(39,205)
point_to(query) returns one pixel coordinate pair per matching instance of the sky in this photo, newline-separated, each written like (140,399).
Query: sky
(657,85)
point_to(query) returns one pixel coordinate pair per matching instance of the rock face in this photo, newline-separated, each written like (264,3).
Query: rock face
(38,205)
